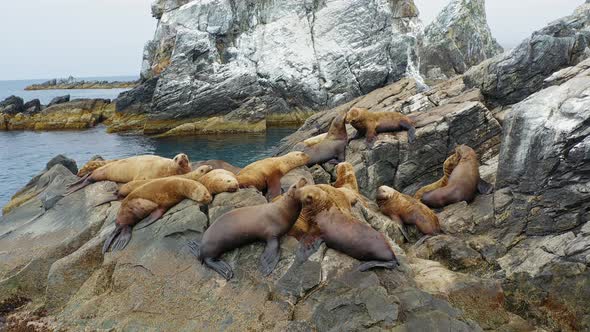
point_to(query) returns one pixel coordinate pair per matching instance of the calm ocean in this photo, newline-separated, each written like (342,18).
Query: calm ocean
(24,154)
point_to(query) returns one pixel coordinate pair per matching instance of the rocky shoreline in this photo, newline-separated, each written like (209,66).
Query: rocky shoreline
(72,83)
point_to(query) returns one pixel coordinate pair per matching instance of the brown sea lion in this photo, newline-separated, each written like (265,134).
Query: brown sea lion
(129,187)
(448,167)
(333,147)
(411,211)
(92,165)
(342,232)
(369,124)
(241,226)
(135,168)
(217,164)
(463,184)
(266,174)
(220,181)
(149,202)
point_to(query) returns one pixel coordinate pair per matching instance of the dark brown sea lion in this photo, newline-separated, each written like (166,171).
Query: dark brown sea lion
(448,167)
(266,174)
(331,148)
(217,164)
(241,226)
(463,184)
(149,202)
(369,124)
(342,232)
(134,168)
(411,211)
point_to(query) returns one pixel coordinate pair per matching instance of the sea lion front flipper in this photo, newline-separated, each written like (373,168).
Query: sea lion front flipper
(411,130)
(421,240)
(83,182)
(152,218)
(309,244)
(273,185)
(220,267)
(484,187)
(110,197)
(373,264)
(270,257)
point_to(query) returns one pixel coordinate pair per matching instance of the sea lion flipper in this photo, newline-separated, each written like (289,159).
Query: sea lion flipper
(270,257)
(410,128)
(373,264)
(194,248)
(220,267)
(309,244)
(123,239)
(484,187)
(152,218)
(83,182)
(110,197)
(421,240)
(273,185)
(109,240)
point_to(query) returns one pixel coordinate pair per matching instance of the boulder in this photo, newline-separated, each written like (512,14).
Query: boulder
(59,100)
(32,107)
(456,40)
(12,105)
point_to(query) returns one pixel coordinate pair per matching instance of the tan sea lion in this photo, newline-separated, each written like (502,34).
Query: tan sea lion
(217,164)
(149,202)
(463,184)
(92,165)
(315,139)
(411,211)
(134,168)
(266,174)
(333,147)
(448,167)
(342,232)
(345,177)
(241,226)
(369,124)
(220,181)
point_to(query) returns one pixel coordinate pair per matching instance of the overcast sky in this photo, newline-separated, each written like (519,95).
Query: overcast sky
(56,38)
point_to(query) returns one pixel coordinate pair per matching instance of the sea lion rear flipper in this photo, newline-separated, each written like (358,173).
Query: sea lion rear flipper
(123,239)
(411,130)
(83,182)
(110,197)
(484,187)
(309,244)
(273,185)
(220,267)
(193,247)
(152,218)
(270,257)
(373,264)
(119,230)
(421,240)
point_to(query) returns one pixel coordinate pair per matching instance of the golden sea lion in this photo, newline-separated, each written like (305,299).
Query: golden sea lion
(241,226)
(266,174)
(92,165)
(448,167)
(345,177)
(369,124)
(463,184)
(342,232)
(149,202)
(220,181)
(134,168)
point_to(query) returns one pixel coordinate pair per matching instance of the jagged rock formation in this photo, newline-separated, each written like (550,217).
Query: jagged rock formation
(285,59)
(456,40)
(73,83)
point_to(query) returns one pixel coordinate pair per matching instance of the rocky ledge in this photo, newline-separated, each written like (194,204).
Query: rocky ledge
(72,83)
(62,113)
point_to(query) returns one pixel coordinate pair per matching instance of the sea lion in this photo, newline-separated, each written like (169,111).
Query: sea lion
(463,184)
(241,226)
(148,203)
(333,147)
(411,211)
(220,181)
(345,177)
(266,174)
(92,165)
(134,168)
(129,187)
(315,139)
(217,164)
(342,232)
(448,167)
(369,124)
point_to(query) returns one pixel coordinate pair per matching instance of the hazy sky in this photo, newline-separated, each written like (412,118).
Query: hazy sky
(56,38)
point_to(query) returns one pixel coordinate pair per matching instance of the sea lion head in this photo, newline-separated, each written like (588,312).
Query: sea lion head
(201,194)
(385,193)
(338,125)
(450,163)
(311,194)
(465,151)
(182,160)
(220,180)
(354,114)
(199,172)
(295,159)
(344,168)
(295,187)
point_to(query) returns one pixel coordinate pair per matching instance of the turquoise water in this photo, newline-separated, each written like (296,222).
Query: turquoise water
(24,154)
(9,88)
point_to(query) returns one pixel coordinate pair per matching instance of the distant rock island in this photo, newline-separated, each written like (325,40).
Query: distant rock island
(73,83)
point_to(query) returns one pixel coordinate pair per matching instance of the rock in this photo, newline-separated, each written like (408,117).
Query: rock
(12,105)
(511,77)
(294,175)
(456,40)
(226,202)
(32,107)
(59,100)
(320,176)
(289,59)
(451,251)
(63,160)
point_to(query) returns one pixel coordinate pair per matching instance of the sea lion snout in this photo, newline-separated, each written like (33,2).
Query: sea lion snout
(385,192)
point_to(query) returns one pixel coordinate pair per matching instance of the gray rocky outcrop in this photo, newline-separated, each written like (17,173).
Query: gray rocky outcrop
(12,105)
(456,40)
(32,107)
(59,100)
